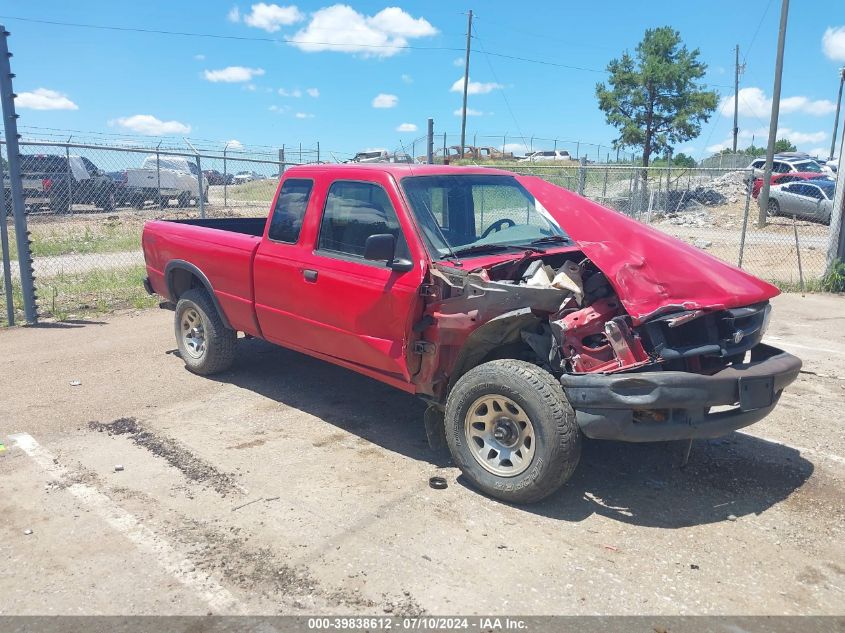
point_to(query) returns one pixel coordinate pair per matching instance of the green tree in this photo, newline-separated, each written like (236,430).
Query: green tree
(784,145)
(682,160)
(653,97)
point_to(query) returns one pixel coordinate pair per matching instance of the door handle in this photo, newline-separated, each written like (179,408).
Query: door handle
(310,275)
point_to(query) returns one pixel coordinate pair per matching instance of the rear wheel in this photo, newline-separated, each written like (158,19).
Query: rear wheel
(206,345)
(773,208)
(184,199)
(511,430)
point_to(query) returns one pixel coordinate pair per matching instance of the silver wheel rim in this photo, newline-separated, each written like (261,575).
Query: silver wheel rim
(193,333)
(500,435)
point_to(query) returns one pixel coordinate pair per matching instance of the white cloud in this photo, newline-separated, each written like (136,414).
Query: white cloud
(459,62)
(407,127)
(272,17)
(819,151)
(754,102)
(833,43)
(234,14)
(44,99)
(313,92)
(801,138)
(383,100)
(151,126)
(303,115)
(234,144)
(475,87)
(233,74)
(341,28)
(470,112)
(199,57)
(296,92)
(250,87)
(407,79)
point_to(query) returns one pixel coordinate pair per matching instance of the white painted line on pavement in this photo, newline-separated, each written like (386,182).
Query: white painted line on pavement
(800,449)
(218,598)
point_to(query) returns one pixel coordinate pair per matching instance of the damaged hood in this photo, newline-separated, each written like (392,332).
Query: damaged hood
(651,271)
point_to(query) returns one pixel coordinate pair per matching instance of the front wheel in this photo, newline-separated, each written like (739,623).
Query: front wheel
(511,431)
(774,208)
(206,345)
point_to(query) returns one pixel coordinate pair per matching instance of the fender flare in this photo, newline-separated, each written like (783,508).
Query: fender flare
(180,264)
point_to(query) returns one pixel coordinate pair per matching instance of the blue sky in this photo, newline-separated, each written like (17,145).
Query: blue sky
(329,88)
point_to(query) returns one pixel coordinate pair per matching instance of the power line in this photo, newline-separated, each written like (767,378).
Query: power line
(272,40)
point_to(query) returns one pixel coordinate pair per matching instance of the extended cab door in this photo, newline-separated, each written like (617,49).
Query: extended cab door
(322,295)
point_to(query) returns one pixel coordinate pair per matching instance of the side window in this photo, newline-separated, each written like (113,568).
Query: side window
(814,192)
(792,188)
(290,210)
(354,211)
(780,168)
(758,164)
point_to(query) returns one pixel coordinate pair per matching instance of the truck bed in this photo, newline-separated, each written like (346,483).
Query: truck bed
(245,226)
(220,249)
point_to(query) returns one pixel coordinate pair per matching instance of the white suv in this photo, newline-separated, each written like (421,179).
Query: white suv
(549,155)
(786,163)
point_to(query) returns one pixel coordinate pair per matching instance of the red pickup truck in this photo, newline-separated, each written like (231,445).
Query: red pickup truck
(525,315)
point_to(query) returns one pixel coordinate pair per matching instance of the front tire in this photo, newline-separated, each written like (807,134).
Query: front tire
(511,431)
(774,209)
(206,345)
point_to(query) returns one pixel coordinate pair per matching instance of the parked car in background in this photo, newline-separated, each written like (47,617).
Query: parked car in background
(832,165)
(547,155)
(372,156)
(243,177)
(782,179)
(163,178)
(56,182)
(812,200)
(789,162)
(215,177)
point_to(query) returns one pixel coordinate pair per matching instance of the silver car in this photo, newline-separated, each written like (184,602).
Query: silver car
(811,199)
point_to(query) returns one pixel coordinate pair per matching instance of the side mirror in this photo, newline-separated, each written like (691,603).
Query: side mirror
(382,247)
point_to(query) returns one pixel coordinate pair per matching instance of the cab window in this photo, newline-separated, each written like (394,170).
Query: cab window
(290,210)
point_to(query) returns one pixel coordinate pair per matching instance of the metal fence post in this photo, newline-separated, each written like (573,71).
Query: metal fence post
(69,179)
(158,178)
(604,187)
(582,176)
(200,193)
(4,246)
(226,177)
(429,142)
(836,237)
(10,126)
(318,152)
(744,226)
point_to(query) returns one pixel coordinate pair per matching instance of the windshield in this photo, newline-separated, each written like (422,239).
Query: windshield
(810,165)
(478,212)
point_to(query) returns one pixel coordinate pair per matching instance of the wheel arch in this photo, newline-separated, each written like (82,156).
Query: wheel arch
(181,276)
(497,335)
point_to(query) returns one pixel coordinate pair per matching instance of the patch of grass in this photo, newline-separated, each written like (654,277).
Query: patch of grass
(93,292)
(103,237)
(255,191)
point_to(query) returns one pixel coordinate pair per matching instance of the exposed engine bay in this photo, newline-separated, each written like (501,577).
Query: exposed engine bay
(566,311)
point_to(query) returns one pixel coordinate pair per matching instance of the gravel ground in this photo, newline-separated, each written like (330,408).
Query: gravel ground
(291,486)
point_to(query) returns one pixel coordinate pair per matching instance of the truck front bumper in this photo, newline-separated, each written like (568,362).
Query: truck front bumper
(674,405)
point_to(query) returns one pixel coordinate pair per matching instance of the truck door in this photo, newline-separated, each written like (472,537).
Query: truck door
(339,304)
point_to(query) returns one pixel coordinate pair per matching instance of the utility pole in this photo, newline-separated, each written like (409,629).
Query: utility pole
(773,123)
(836,118)
(737,70)
(466,84)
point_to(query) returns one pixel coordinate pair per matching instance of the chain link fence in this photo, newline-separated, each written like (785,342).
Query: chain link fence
(713,209)
(86,206)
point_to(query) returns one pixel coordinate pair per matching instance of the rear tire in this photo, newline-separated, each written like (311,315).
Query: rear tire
(183,200)
(511,431)
(774,209)
(206,345)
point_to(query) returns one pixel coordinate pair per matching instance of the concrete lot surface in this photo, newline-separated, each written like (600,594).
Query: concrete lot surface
(287,485)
